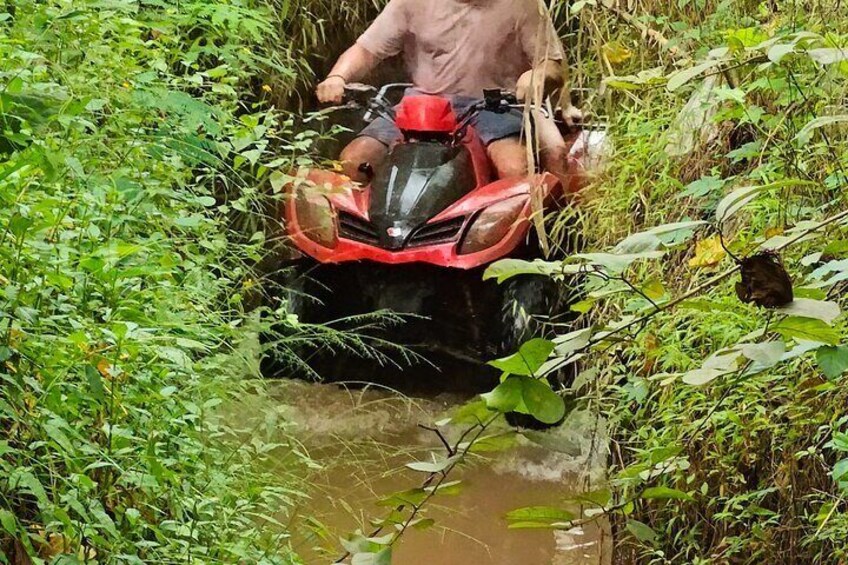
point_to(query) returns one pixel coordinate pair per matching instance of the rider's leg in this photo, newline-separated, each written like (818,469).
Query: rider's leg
(553,150)
(509,156)
(360,151)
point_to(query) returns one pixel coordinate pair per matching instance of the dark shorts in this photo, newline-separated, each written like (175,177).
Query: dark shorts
(488,125)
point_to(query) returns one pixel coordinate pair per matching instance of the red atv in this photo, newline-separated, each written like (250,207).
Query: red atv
(416,239)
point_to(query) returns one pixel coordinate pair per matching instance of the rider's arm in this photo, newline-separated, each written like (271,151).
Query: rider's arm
(383,39)
(352,66)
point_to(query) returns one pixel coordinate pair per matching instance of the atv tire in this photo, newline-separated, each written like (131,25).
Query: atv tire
(529,305)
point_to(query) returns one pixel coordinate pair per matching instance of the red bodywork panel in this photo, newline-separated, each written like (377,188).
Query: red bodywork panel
(426,113)
(431,114)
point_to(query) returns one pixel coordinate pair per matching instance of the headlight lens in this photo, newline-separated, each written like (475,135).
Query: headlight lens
(492,225)
(316,217)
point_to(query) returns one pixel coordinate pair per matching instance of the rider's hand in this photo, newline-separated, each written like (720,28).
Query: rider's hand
(572,116)
(332,90)
(543,81)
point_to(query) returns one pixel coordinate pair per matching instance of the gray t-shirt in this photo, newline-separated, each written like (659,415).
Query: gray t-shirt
(464,46)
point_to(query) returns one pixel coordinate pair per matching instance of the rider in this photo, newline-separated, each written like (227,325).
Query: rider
(458,48)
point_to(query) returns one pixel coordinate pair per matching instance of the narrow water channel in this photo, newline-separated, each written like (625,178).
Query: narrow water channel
(361,440)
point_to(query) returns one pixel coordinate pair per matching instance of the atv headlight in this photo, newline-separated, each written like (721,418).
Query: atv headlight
(492,225)
(316,217)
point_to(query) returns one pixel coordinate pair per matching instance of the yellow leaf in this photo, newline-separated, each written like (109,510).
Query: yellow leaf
(654,289)
(774,231)
(708,253)
(104,368)
(616,53)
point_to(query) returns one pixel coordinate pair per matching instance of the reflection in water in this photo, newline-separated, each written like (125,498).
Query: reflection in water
(362,439)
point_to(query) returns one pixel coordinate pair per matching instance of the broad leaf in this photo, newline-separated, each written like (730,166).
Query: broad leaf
(828,55)
(701,377)
(641,531)
(538,517)
(435,466)
(529,359)
(382,557)
(806,133)
(807,329)
(681,78)
(616,263)
(764,355)
(832,360)
(665,493)
(543,403)
(652,239)
(735,201)
(508,268)
(779,51)
(506,397)
(571,342)
(827,312)
(739,198)
(527,395)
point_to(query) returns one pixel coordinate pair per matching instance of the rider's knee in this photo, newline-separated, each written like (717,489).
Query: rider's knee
(554,157)
(513,166)
(509,161)
(361,151)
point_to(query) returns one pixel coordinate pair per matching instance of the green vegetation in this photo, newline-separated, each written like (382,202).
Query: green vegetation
(124,127)
(139,150)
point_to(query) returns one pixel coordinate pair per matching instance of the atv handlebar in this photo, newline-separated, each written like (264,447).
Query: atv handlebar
(376,103)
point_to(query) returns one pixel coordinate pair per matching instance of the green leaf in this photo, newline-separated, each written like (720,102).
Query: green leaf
(435,466)
(806,133)
(840,470)
(832,360)
(540,514)
(506,397)
(543,403)
(652,239)
(681,78)
(529,359)
(527,395)
(571,342)
(809,329)
(95,384)
(704,376)
(382,557)
(822,310)
(641,531)
(779,51)
(739,198)
(735,201)
(412,497)
(508,268)
(424,524)
(665,493)
(616,263)
(7,520)
(766,354)
(828,55)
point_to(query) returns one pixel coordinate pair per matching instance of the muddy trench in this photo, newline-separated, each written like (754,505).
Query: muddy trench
(360,440)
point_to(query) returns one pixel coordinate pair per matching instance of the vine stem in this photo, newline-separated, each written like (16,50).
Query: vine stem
(714,281)
(483,426)
(429,481)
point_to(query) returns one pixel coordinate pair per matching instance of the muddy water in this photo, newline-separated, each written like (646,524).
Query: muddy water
(361,441)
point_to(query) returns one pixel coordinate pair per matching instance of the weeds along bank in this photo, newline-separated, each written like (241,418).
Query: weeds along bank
(121,294)
(730,419)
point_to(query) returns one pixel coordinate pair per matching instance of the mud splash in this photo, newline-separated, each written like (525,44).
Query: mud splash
(361,440)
